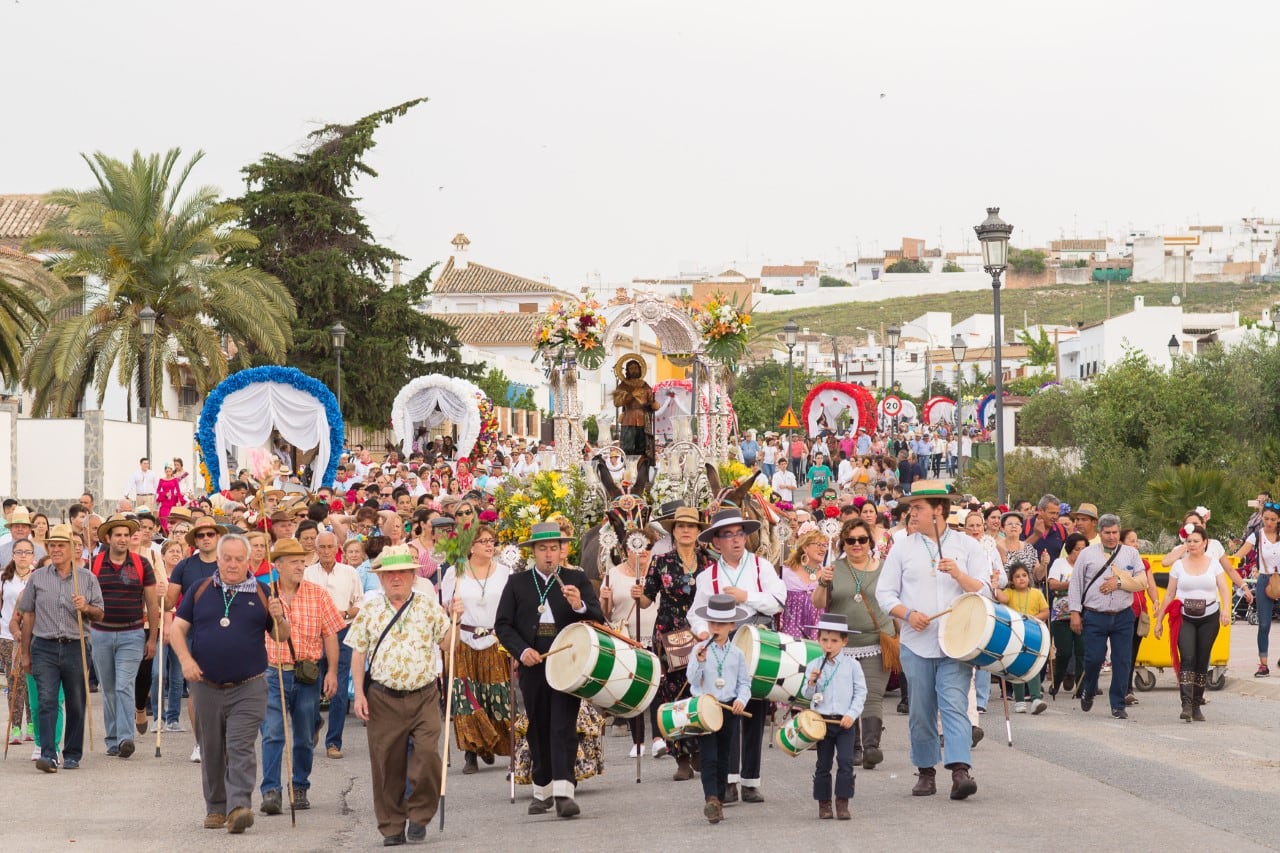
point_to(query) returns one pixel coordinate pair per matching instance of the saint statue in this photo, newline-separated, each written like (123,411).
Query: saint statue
(635,398)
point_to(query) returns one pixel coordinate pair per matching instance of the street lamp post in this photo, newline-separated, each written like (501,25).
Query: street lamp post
(895,334)
(790,331)
(339,334)
(958,350)
(994,234)
(835,356)
(147,325)
(1174,346)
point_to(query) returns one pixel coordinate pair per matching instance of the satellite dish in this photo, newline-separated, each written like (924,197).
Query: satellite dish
(1177,300)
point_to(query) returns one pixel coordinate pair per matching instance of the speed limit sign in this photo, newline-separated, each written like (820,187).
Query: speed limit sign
(892,406)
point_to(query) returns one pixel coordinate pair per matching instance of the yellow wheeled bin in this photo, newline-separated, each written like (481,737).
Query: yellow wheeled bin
(1156,655)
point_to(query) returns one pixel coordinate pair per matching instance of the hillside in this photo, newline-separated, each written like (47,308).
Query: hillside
(1058,305)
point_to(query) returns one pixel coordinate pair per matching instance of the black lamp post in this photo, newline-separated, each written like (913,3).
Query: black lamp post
(790,331)
(958,350)
(147,325)
(895,334)
(1174,346)
(339,334)
(994,234)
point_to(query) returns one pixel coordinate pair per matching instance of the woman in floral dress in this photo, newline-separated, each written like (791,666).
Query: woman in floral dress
(798,614)
(671,583)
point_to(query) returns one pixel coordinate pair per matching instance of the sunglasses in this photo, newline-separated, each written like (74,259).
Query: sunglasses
(206,534)
(857,540)
(1272,505)
(465,512)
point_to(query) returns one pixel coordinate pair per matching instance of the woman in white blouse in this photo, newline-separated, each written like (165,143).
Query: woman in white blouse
(620,610)
(482,670)
(1199,584)
(1267,543)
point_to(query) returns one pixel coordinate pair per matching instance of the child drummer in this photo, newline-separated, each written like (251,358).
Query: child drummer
(719,669)
(836,689)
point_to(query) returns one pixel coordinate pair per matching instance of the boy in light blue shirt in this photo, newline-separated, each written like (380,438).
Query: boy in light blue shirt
(718,669)
(836,689)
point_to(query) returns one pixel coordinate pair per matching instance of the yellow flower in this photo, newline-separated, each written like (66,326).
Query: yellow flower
(560,492)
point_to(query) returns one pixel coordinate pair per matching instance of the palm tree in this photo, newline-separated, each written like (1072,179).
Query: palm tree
(25,289)
(134,241)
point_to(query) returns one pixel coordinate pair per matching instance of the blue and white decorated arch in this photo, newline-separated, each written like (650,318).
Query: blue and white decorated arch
(432,400)
(246,406)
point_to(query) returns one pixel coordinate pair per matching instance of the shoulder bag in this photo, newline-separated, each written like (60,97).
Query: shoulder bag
(1272,589)
(890,644)
(368,669)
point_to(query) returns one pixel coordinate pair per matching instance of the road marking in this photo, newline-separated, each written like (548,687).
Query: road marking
(1243,753)
(1176,737)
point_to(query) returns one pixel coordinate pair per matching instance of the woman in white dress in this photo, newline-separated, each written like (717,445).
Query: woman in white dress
(482,670)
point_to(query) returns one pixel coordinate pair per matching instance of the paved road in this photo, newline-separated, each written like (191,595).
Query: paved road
(1071,780)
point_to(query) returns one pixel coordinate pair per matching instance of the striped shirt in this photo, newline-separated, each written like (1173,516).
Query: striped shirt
(122,592)
(311,616)
(48,595)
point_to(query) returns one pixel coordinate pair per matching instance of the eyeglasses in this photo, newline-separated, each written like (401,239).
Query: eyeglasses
(485,542)
(465,512)
(731,534)
(857,540)
(24,553)
(385,494)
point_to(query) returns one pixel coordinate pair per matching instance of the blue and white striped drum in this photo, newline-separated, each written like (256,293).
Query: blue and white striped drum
(990,636)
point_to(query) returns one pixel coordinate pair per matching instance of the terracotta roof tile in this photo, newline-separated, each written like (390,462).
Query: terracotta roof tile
(22,217)
(788,271)
(494,328)
(477,278)
(1078,245)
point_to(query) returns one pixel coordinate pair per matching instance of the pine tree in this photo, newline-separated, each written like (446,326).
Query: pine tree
(315,240)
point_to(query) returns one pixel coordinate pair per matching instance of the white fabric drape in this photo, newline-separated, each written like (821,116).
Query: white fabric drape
(248,416)
(432,400)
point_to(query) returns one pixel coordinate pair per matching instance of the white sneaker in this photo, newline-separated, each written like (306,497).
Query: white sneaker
(1038,706)
(173,728)
(659,747)
(195,755)
(635,750)
(35,754)
(1020,707)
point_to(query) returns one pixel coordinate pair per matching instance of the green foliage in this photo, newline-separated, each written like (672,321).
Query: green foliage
(832,281)
(907,265)
(1025,386)
(136,234)
(1040,351)
(951,266)
(592,428)
(1027,476)
(752,401)
(26,289)
(525,401)
(317,242)
(495,385)
(1026,260)
(1163,503)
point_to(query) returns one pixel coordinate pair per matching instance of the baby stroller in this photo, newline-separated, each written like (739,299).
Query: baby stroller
(1242,608)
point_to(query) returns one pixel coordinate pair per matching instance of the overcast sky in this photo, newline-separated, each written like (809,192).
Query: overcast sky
(570,139)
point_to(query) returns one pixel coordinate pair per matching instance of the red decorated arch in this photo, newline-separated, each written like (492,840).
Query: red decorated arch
(827,401)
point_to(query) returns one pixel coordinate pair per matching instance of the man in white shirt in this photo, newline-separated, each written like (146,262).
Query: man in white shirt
(142,484)
(966,450)
(755,585)
(784,484)
(844,476)
(344,586)
(924,574)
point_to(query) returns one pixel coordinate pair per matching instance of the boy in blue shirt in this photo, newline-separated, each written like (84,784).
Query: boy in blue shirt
(719,669)
(836,689)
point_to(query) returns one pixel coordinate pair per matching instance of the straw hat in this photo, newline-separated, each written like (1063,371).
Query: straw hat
(179,513)
(21,515)
(117,520)
(205,523)
(61,533)
(287,548)
(683,515)
(395,558)
(545,531)
(922,489)
(1086,509)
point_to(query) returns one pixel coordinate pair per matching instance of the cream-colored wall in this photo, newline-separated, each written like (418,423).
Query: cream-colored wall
(50,458)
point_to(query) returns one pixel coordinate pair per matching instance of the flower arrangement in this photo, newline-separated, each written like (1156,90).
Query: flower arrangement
(578,329)
(724,325)
(204,473)
(521,505)
(291,376)
(488,437)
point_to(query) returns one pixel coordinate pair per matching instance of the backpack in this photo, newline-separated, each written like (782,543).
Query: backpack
(134,559)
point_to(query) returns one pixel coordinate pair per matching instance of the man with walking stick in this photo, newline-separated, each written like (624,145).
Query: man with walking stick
(314,623)
(397,695)
(218,637)
(54,606)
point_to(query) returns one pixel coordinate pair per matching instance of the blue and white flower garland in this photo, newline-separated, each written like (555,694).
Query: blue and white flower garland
(286,376)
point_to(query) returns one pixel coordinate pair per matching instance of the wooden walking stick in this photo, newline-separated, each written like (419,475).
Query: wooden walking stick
(448,713)
(1008,727)
(287,762)
(160,679)
(15,672)
(84,655)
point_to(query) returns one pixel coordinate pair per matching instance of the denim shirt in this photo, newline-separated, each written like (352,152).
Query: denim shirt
(844,694)
(732,668)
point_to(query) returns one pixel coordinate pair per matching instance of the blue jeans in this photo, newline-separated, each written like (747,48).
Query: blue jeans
(172,689)
(838,745)
(57,668)
(768,469)
(938,686)
(1099,629)
(1265,608)
(116,656)
(797,468)
(981,687)
(304,710)
(714,748)
(338,704)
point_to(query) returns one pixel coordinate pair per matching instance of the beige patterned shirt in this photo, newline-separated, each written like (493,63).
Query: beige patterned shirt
(409,658)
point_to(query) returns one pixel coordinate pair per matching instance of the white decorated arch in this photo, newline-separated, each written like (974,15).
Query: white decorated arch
(432,400)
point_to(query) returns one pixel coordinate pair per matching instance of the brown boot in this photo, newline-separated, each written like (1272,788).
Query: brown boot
(962,784)
(684,770)
(731,792)
(1197,697)
(713,811)
(842,809)
(824,810)
(926,782)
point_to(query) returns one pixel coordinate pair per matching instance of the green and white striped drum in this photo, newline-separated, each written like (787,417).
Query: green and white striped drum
(776,662)
(801,732)
(688,718)
(618,678)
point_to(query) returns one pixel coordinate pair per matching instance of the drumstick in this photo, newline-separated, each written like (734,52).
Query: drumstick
(1008,727)
(730,708)
(936,615)
(551,652)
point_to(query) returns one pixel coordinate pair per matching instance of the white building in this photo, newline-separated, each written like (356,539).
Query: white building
(797,278)
(1232,252)
(466,287)
(1146,329)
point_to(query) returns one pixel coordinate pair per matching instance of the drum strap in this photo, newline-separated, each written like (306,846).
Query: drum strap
(1102,571)
(715,576)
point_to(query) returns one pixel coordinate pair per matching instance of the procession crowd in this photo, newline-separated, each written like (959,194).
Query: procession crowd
(267,605)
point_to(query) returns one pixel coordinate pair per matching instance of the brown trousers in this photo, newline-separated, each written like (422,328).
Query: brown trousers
(392,722)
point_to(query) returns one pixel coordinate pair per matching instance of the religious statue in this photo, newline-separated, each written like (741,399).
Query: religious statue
(635,398)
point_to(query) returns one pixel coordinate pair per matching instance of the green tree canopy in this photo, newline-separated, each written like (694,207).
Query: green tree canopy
(758,408)
(317,242)
(1026,260)
(133,241)
(1040,351)
(907,265)
(951,266)
(25,291)
(832,281)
